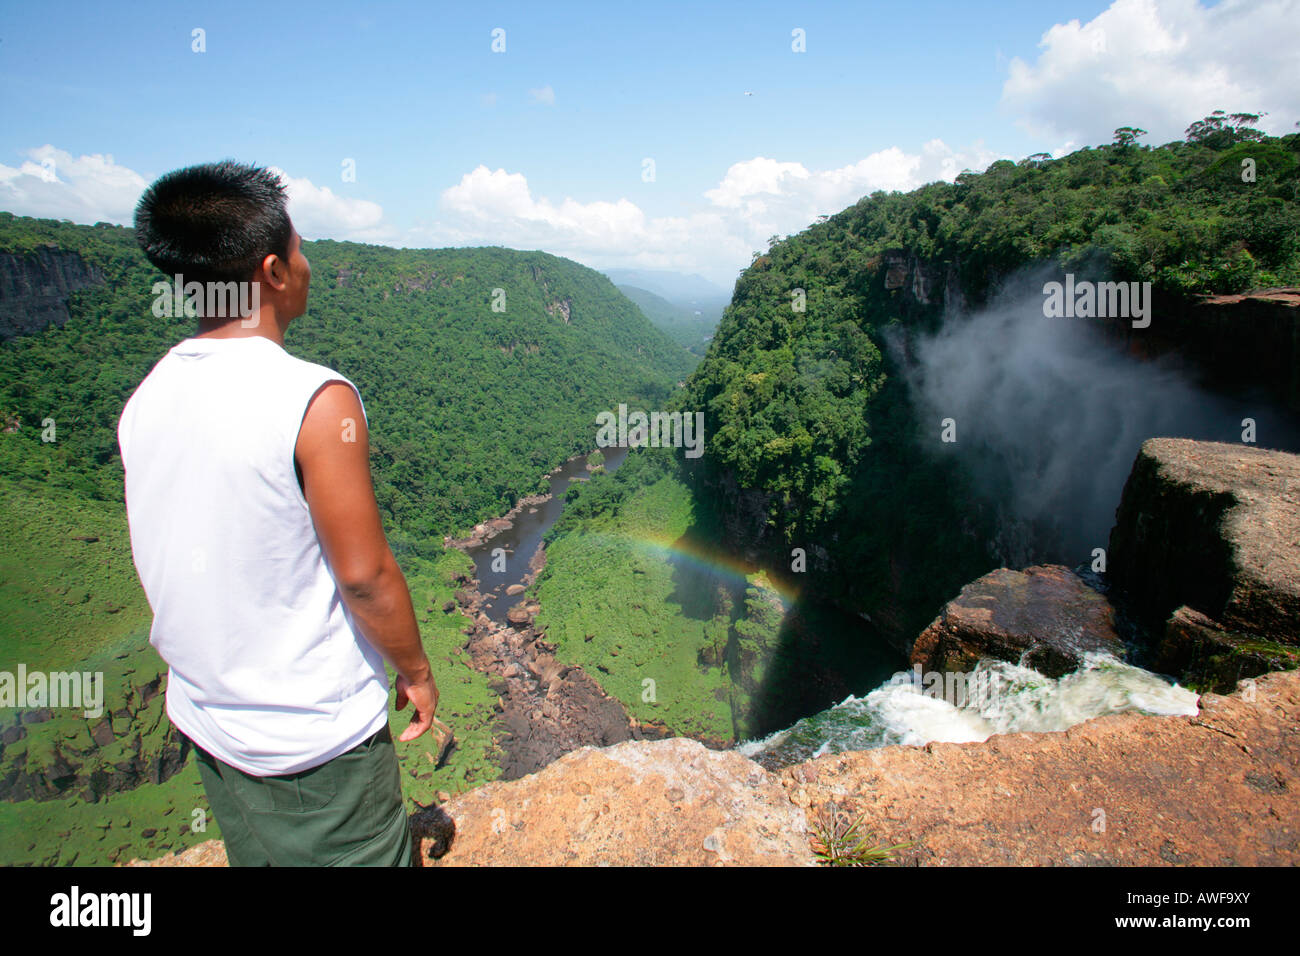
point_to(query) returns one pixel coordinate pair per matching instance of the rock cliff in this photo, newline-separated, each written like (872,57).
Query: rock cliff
(1206,550)
(34,288)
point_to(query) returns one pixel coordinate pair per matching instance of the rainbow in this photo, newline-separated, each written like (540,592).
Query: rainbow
(701,558)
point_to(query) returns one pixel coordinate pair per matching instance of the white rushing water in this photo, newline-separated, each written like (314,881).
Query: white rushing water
(997,697)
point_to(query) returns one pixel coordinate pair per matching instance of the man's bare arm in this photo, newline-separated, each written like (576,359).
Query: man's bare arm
(333,456)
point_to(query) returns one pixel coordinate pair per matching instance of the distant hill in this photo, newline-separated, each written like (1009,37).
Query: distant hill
(687,291)
(690,328)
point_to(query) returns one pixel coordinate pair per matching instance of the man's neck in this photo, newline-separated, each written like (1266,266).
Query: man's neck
(263,323)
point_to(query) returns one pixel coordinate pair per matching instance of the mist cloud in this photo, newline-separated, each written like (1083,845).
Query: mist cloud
(1050,414)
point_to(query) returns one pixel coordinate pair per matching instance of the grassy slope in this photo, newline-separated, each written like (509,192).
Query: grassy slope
(63,601)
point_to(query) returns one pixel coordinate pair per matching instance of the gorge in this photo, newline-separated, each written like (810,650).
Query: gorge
(1117,505)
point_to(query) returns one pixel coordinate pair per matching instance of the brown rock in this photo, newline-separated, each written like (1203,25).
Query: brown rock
(208,853)
(670,802)
(1215,527)
(1211,657)
(515,589)
(1045,617)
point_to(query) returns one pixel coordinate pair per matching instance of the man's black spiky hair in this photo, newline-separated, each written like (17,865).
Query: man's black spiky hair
(215,222)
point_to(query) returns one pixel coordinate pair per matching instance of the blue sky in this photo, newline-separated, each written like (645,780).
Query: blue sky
(544,145)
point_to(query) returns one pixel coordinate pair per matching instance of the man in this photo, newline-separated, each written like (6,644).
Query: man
(258,540)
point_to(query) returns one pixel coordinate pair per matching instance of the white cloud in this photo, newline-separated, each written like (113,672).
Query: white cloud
(317,212)
(1160,65)
(545,96)
(755,199)
(53,184)
(762,196)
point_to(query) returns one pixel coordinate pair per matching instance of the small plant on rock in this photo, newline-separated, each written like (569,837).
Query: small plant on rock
(839,840)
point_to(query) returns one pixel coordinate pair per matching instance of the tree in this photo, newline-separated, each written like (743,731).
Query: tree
(1220,130)
(1126,136)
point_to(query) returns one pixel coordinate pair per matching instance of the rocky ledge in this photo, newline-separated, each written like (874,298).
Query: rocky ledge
(1127,789)
(1206,551)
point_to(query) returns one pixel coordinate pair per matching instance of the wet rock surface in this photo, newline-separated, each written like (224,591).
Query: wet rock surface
(1044,617)
(1211,657)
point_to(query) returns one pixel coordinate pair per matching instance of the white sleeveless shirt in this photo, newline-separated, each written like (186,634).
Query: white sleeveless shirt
(267,671)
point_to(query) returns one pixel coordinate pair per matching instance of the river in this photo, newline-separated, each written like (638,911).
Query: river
(524,537)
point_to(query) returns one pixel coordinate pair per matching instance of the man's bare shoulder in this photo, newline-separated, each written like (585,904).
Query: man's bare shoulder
(334,415)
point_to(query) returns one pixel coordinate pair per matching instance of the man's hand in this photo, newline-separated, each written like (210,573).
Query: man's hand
(424,699)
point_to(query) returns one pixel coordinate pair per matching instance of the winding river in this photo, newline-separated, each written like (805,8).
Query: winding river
(521,541)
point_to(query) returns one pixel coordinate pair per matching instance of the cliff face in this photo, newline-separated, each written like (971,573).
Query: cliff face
(1206,550)
(56,754)
(1231,341)
(34,288)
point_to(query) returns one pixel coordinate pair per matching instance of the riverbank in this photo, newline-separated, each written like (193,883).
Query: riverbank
(546,707)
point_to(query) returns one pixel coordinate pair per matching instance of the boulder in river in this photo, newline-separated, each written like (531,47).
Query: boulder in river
(1044,617)
(515,589)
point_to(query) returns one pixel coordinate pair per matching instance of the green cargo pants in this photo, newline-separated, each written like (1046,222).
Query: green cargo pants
(346,812)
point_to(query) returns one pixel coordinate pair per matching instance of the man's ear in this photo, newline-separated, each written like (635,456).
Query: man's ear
(275,272)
